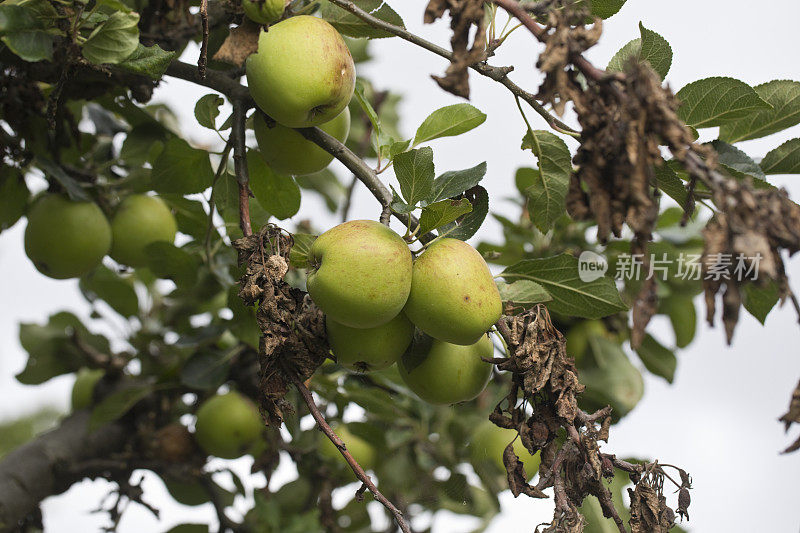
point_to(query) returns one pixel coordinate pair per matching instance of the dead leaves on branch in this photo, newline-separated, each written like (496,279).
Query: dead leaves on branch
(793,417)
(293,341)
(464,14)
(241,42)
(542,406)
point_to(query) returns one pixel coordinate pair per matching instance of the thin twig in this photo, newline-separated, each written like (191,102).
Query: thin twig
(203,60)
(240,165)
(498,74)
(223,164)
(357,469)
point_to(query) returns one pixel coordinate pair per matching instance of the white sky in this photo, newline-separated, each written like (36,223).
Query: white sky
(718,419)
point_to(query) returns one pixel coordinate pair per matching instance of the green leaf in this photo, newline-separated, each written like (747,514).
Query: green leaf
(659,360)
(206,110)
(182,169)
(650,47)
(548,191)
(363,101)
(472,221)
(326,184)
(759,301)
(278,194)
(783,96)
(668,181)
(14,196)
(523,293)
(52,170)
(683,316)
(454,182)
(150,61)
(115,405)
(298,256)
(114,40)
(784,159)
(606,8)
(393,148)
(168,261)
(440,214)
(32,46)
(398,205)
(104,284)
(714,101)
(189,528)
(205,370)
(414,171)
(571,296)
(736,162)
(449,121)
(352,26)
(52,350)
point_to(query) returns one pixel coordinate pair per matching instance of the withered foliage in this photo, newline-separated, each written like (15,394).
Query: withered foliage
(792,416)
(241,42)
(743,244)
(542,406)
(293,340)
(464,14)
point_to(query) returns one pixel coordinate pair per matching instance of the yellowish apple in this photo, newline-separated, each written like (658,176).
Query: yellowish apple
(365,350)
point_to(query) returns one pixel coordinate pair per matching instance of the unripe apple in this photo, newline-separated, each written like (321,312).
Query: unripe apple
(364,350)
(362,451)
(66,239)
(303,74)
(489,442)
(228,425)
(288,152)
(294,496)
(453,295)
(360,273)
(187,492)
(83,388)
(263,11)
(140,220)
(443,373)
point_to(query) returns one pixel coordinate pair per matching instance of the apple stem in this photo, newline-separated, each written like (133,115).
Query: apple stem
(357,469)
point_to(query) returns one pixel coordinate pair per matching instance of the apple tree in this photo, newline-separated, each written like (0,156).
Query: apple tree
(248,322)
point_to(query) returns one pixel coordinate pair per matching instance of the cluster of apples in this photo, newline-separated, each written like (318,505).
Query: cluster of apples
(301,76)
(67,239)
(381,304)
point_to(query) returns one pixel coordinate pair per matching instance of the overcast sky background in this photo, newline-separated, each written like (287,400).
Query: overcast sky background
(718,419)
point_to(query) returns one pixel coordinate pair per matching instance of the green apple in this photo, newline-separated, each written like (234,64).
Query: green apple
(362,451)
(443,373)
(293,497)
(228,425)
(288,152)
(263,11)
(364,350)
(303,74)
(66,239)
(453,295)
(489,442)
(140,220)
(360,273)
(83,388)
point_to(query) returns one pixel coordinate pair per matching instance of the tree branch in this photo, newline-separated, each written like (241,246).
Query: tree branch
(240,164)
(357,470)
(498,74)
(35,470)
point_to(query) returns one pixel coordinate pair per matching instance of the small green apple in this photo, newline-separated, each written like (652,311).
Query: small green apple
(364,350)
(360,273)
(140,220)
(443,373)
(228,425)
(83,388)
(288,152)
(294,496)
(362,451)
(66,239)
(303,74)
(263,11)
(453,295)
(489,442)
